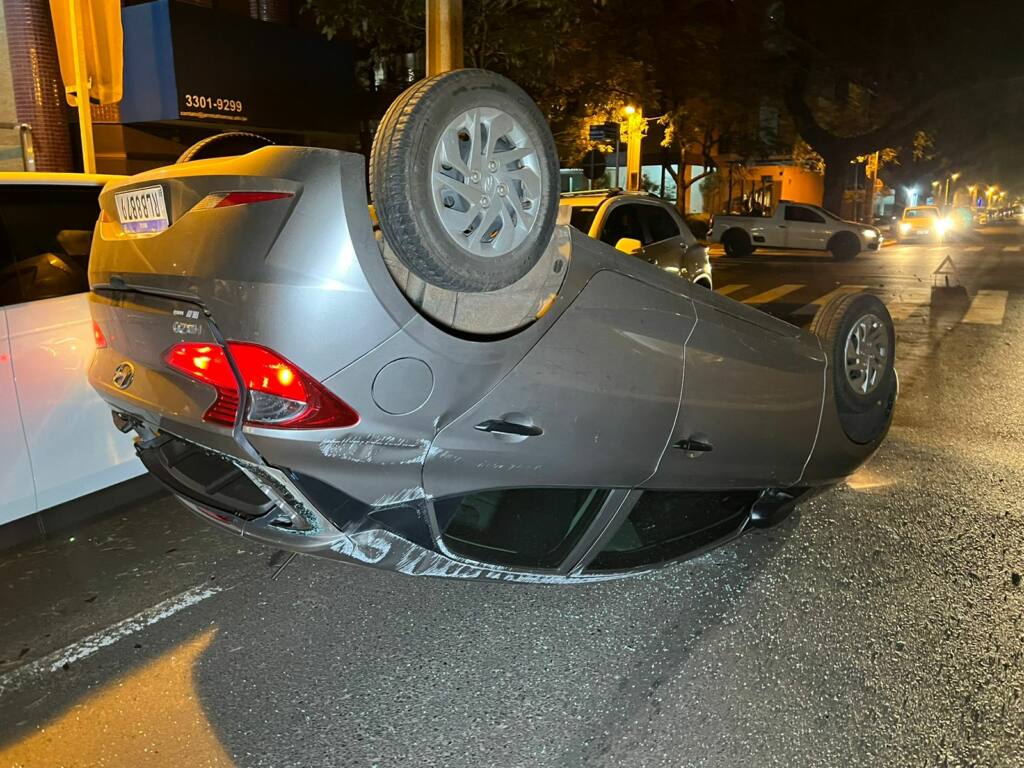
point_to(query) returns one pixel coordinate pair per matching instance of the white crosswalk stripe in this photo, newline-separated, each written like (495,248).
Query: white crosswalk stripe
(1011,249)
(987,308)
(974,249)
(725,290)
(774,294)
(814,306)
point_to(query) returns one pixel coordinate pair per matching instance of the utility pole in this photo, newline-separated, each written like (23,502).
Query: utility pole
(952,177)
(636,129)
(82,87)
(444,36)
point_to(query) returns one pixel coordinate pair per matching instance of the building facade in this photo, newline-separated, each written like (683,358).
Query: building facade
(190,70)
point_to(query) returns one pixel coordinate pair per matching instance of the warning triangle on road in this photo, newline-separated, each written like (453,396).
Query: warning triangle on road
(942,270)
(947,268)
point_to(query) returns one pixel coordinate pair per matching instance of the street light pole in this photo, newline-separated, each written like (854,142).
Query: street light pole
(444,36)
(636,128)
(82,87)
(951,177)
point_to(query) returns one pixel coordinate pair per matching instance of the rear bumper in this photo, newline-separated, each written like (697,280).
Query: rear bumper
(254,501)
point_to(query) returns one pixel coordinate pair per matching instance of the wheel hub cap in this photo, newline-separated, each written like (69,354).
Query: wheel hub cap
(485,181)
(867,354)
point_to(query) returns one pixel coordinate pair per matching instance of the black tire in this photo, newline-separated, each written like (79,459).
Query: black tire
(864,416)
(844,246)
(228,144)
(737,243)
(401,168)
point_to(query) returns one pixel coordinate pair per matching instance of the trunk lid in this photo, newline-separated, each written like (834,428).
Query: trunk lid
(284,271)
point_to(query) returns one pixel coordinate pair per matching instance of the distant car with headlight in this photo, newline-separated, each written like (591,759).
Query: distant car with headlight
(795,226)
(922,222)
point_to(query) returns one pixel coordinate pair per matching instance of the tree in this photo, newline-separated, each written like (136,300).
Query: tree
(865,75)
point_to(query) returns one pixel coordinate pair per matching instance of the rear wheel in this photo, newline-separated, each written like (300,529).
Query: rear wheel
(737,243)
(844,246)
(228,144)
(464,176)
(859,333)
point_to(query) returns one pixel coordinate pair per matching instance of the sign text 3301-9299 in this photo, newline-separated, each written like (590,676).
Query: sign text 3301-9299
(208,102)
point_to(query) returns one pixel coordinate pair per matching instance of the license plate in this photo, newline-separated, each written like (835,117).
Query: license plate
(142,211)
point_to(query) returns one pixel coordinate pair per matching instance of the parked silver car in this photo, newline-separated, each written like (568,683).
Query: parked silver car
(476,393)
(643,226)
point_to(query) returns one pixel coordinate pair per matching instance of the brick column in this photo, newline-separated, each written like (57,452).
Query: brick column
(275,11)
(38,90)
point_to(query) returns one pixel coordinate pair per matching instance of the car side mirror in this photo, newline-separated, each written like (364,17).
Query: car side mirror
(628,245)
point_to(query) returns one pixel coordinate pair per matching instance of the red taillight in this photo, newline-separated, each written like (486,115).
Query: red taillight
(208,363)
(281,394)
(229,199)
(97,334)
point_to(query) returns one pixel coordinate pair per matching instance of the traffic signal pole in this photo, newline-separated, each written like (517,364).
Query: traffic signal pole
(444,36)
(82,87)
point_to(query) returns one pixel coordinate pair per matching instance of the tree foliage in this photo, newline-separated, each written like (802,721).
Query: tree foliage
(851,78)
(860,76)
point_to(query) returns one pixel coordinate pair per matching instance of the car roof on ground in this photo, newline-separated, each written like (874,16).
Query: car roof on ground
(41,177)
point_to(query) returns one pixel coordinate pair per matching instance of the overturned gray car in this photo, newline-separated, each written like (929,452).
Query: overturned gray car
(454,382)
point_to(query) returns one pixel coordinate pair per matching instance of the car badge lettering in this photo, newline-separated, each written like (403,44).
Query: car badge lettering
(182,328)
(124,375)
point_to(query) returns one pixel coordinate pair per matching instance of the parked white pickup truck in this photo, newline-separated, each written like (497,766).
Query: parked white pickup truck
(794,226)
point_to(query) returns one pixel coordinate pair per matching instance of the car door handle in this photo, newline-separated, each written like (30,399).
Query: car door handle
(782,226)
(690,445)
(499,427)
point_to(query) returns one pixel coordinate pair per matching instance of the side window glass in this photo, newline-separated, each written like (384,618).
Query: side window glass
(796,213)
(48,233)
(520,527)
(582,216)
(623,221)
(665,525)
(660,224)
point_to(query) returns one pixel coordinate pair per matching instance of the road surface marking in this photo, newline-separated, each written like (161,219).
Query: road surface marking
(819,302)
(907,304)
(987,308)
(87,647)
(725,290)
(775,293)
(1012,249)
(974,248)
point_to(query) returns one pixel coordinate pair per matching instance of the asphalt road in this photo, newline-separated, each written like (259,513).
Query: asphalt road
(881,625)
